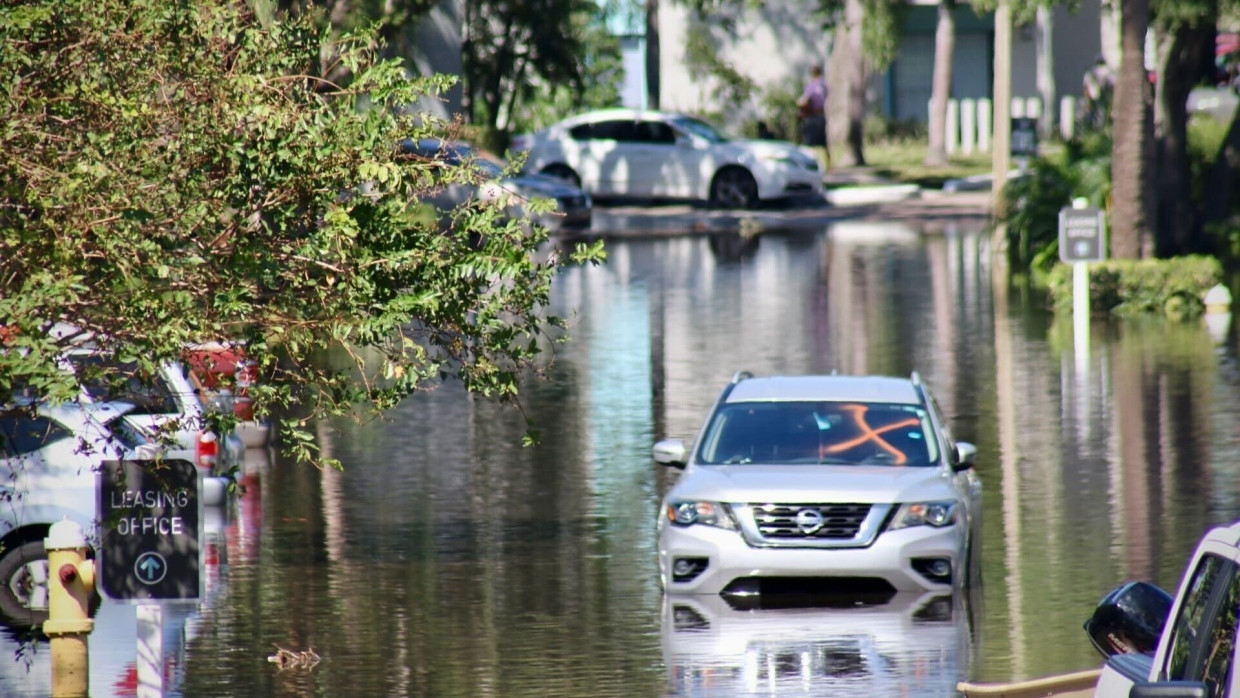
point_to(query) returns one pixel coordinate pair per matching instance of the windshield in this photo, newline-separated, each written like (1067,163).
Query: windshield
(838,433)
(700,128)
(122,382)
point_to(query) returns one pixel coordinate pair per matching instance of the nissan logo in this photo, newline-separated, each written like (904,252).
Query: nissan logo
(809,520)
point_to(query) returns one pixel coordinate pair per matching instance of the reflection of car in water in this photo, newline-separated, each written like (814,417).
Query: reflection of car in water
(904,644)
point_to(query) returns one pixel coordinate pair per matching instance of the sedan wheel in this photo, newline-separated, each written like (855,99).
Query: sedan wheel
(23,584)
(734,187)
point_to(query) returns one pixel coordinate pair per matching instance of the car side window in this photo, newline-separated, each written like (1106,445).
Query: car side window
(615,130)
(1188,625)
(1220,642)
(21,434)
(656,133)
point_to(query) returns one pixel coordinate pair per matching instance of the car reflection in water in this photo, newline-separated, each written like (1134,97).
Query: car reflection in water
(905,644)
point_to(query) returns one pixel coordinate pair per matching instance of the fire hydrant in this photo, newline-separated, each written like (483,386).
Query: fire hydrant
(71,583)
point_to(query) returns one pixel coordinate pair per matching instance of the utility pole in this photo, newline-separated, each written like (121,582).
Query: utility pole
(1002,141)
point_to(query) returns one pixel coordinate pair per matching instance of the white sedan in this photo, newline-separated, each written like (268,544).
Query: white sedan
(660,155)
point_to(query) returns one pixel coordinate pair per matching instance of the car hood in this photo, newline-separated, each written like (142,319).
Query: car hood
(813,483)
(765,149)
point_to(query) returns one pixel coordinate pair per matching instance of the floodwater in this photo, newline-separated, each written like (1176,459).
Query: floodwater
(447,560)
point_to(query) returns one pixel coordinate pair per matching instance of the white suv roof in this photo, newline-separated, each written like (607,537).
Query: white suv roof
(826,389)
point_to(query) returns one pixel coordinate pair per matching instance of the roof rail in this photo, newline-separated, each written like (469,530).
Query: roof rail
(740,376)
(916,378)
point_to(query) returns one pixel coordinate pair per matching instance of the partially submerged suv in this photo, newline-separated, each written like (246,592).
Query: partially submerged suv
(821,484)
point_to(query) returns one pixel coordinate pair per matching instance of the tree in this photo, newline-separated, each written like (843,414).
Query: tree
(941,85)
(1132,214)
(513,48)
(1185,58)
(176,173)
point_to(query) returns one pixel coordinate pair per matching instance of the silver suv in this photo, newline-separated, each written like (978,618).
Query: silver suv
(821,484)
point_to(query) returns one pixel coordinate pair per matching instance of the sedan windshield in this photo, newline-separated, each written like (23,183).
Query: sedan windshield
(700,128)
(838,433)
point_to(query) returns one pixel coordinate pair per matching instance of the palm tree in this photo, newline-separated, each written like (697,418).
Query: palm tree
(1132,191)
(941,85)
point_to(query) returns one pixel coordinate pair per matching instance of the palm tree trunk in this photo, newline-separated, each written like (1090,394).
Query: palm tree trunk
(1132,212)
(846,100)
(1179,68)
(941,87)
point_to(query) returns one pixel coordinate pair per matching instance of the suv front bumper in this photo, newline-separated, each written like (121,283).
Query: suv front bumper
(890,558)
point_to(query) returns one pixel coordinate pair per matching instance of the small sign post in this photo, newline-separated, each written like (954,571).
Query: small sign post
(1082,239)
(150,522)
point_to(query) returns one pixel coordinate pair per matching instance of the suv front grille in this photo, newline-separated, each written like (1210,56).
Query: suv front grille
(786,521)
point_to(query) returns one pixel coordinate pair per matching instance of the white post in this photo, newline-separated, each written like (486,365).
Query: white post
(952,127)
(1067,117)
(1080,305)
(984,123)
(968,126)
(150,650)
(1033,108)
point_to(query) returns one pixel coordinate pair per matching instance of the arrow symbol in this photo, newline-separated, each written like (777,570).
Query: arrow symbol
(150,568)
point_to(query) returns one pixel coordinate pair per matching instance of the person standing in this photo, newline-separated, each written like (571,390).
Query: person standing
(813,113)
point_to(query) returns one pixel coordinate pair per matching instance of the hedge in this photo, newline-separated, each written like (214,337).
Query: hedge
(1174,287)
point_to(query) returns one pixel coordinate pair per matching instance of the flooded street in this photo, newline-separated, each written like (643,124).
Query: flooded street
(447,560)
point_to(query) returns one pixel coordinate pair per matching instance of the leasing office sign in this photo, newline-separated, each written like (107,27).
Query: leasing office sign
(150,515)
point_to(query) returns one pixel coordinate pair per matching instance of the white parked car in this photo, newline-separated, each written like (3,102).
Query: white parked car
(820,484)
(660,155)
(165,404)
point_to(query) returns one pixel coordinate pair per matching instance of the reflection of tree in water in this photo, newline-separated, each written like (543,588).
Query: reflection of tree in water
(732,246)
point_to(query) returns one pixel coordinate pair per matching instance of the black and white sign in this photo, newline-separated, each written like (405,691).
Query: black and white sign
(150,523)
(1082,235)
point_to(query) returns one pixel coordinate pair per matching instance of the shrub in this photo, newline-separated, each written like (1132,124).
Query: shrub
(1173,287)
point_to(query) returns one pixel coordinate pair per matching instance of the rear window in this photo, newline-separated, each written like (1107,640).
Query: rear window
(22,433)
(838,433)
(124,382)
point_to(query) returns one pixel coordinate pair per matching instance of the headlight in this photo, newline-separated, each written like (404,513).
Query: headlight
(709,513)
(937,514)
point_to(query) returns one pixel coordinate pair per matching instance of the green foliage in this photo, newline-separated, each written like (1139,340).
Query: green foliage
(1033,200)
(704,64)
(175,173)
(880,32)
(602,71)
(1174,287)
(515,50)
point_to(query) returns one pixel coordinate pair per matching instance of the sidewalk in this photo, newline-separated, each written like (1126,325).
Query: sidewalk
(850,196)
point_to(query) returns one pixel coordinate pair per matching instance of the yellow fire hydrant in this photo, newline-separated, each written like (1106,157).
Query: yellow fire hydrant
(71,582)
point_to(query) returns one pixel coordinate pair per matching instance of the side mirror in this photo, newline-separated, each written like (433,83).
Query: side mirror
(1129,620)
(966,454)
(670,452)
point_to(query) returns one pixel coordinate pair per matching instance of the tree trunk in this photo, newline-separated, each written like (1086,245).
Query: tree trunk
(846,100)
(1046,70)
(1132,148)
(941,87)
(1179,68)
(652,54)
